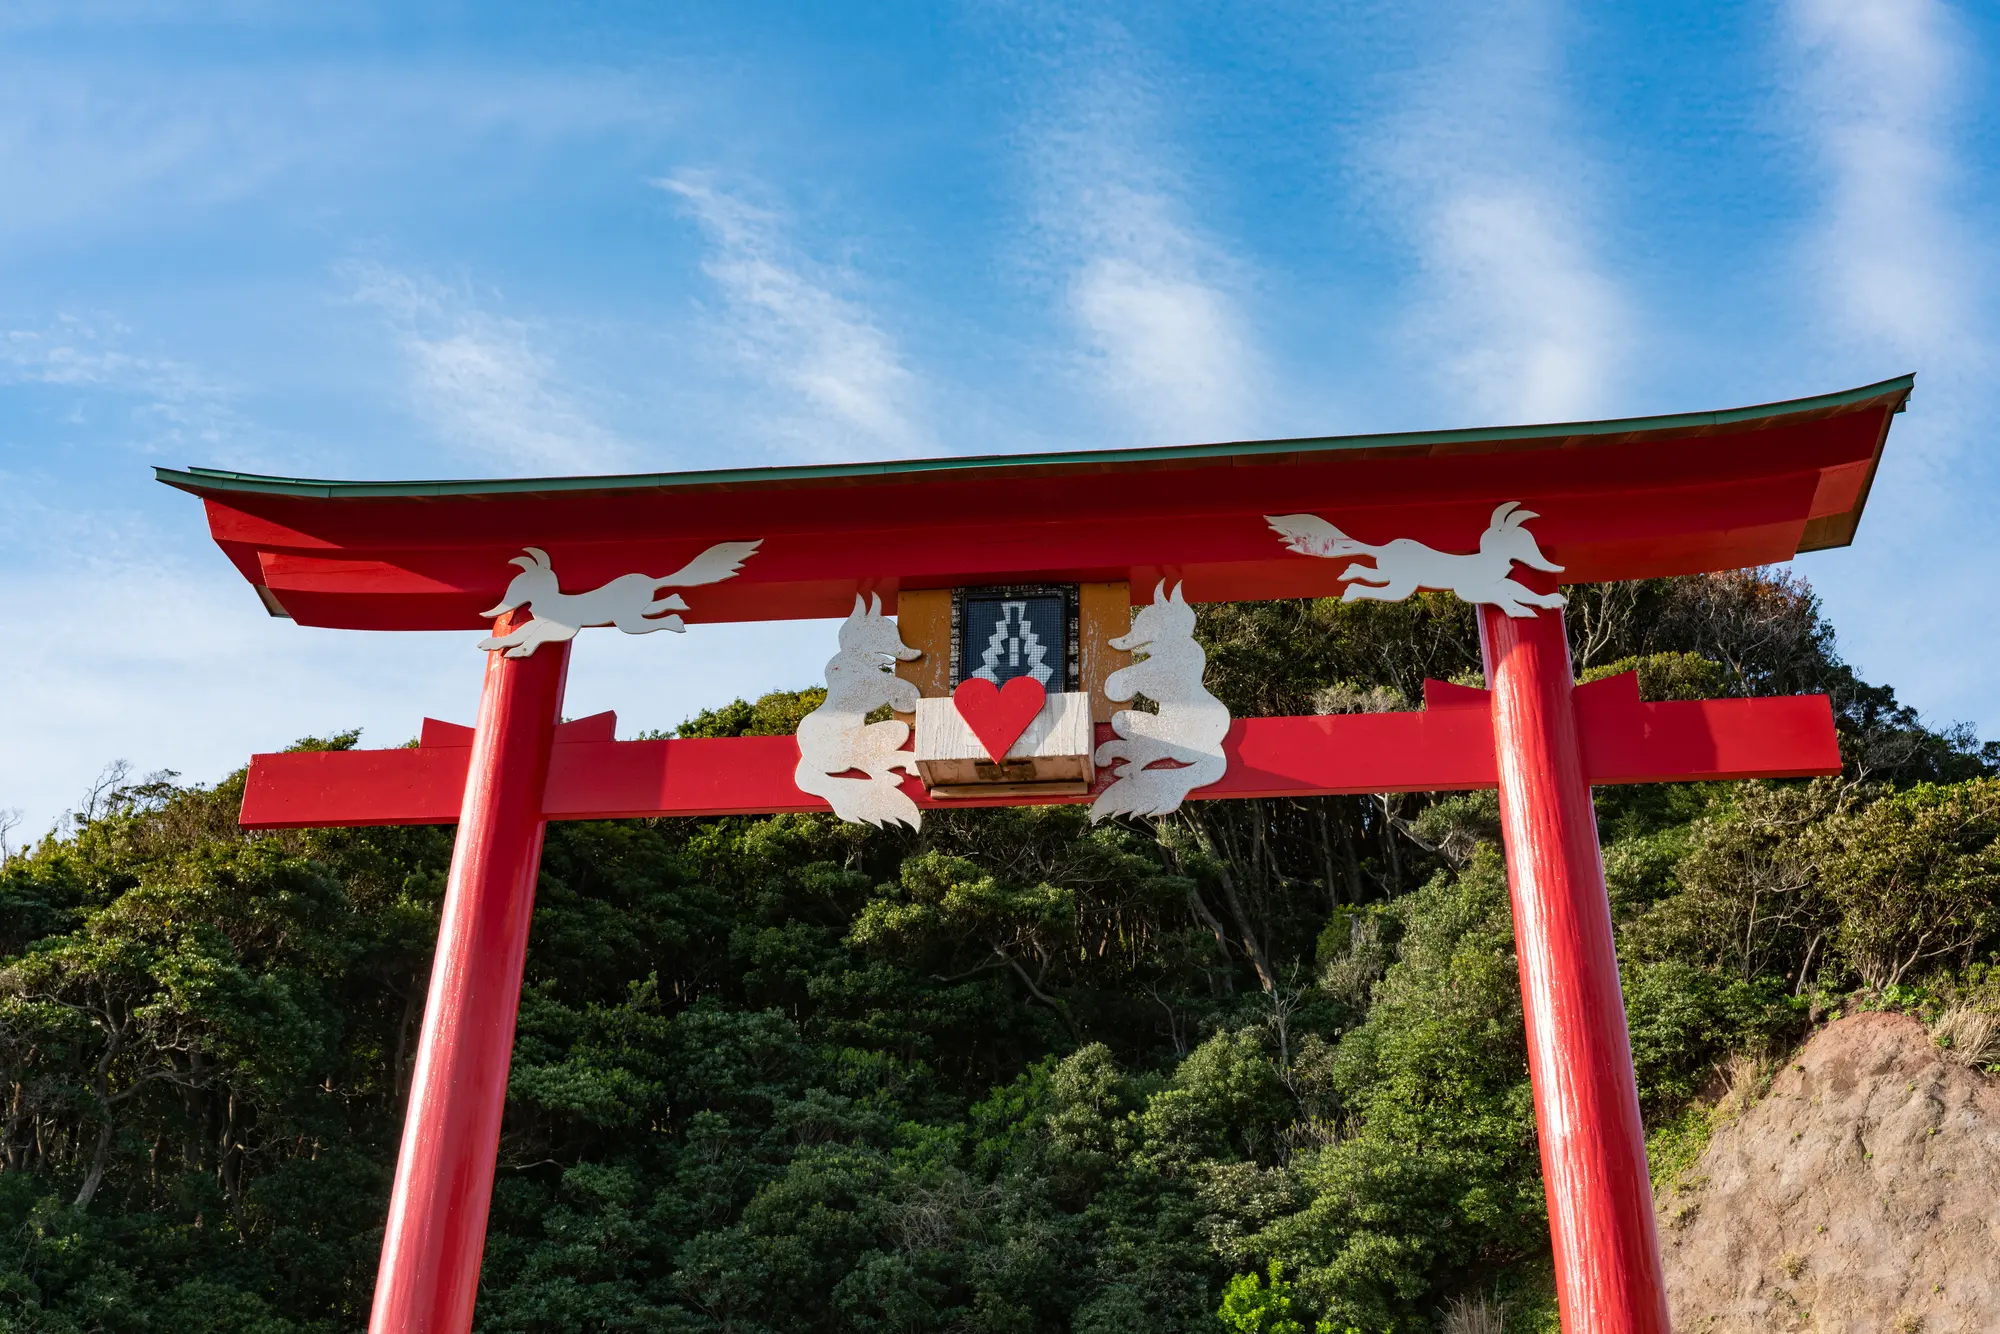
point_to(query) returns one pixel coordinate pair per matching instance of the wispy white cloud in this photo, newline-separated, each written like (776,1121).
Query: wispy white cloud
(1155,301)
(788,322)
(1527,324)
(1899,276)
(1516,305)
(106,146)
(1878,83)
(174,404)
(481,383)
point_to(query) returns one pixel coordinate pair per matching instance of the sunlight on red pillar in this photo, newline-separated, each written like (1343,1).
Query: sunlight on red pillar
(1607,1254)
(429,1275)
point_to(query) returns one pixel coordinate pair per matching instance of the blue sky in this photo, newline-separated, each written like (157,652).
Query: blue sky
(412,240)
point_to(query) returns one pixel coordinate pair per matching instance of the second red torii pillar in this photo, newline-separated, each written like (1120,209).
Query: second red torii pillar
(1593,1143)
(428,1280)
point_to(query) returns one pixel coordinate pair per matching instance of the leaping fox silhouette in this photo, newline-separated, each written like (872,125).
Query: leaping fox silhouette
(628,602)
(1405,565)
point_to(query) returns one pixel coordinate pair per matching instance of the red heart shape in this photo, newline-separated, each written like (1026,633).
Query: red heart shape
(998,715)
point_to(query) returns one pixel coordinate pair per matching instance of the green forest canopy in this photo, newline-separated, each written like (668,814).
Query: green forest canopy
(1258,1066)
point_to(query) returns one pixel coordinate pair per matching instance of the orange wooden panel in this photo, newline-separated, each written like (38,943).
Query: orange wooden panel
(1104,611)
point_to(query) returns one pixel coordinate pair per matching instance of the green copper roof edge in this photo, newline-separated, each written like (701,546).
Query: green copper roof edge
(213,479)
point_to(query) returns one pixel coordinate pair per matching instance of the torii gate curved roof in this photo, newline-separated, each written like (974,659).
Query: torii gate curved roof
(1625,499)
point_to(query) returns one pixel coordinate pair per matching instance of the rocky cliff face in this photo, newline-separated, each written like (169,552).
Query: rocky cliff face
(1861,1195)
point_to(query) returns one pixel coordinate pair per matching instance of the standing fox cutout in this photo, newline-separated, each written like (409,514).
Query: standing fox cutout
(842,756)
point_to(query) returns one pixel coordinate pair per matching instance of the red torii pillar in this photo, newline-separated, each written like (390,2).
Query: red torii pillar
(436,1235)
(1593,1144)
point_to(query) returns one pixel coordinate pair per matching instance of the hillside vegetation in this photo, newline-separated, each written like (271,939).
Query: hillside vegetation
(1258,1066)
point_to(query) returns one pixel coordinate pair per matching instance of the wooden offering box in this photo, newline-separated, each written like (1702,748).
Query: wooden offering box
(1053,756)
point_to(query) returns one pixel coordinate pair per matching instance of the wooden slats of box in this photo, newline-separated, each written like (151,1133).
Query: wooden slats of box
(1055,749)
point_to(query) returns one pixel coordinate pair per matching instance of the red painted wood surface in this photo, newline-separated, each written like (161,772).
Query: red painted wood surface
(429,1274)
(1593,1146)
(1447,747)
(1623,505)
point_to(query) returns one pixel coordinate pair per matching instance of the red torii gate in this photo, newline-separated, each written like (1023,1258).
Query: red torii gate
(1611,500)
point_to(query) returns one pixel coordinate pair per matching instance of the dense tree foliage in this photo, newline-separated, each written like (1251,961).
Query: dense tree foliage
(1258,1066)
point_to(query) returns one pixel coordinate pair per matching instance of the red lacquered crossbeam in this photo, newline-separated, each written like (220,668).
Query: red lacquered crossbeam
(1626,741)
(309,789)
(1446,747)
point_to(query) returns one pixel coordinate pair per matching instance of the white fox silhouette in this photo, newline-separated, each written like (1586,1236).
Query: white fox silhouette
(837,738)
(1405,565)
(1187,731)
(627,602)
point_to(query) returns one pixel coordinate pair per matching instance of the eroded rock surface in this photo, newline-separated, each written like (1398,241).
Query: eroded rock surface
(1860,1196)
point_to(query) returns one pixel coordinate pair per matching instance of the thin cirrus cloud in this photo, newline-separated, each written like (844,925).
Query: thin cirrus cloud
(170,402)
(103,147)
(481,383)
(1514,303)
(790,326)
(1875,91)
(1877,84)
(1153,301)
(1528,325)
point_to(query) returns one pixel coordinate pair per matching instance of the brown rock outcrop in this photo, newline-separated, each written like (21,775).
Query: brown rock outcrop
(1861,1195)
